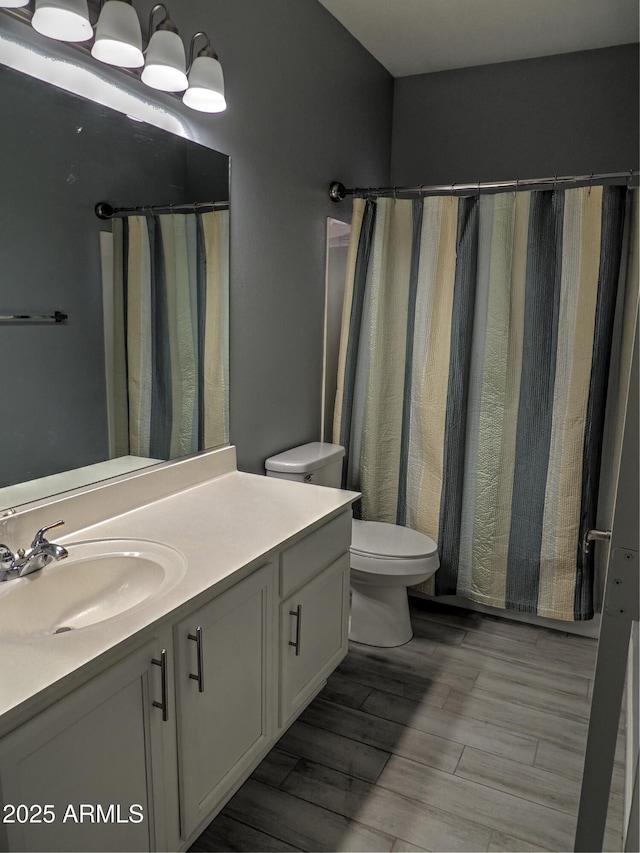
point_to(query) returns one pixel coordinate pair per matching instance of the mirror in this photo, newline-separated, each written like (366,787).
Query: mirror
(338,235)
(61,156)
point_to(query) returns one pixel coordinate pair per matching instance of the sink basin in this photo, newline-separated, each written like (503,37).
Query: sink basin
(99,580)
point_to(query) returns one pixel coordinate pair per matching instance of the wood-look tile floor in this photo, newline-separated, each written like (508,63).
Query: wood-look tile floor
(471,737)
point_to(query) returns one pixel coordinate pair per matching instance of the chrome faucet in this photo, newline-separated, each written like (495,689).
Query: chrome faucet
(39,555)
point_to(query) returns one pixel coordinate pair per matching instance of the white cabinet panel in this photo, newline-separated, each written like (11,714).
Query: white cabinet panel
(223,687)
(93,758)
(313,636)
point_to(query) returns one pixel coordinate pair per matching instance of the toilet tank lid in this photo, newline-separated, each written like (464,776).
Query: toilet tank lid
(306,458)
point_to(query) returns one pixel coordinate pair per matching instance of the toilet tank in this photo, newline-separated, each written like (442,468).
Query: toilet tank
(318,462)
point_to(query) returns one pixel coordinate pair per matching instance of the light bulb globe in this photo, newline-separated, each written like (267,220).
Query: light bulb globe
(118,37)
(206,86)
(165,66)
(63,20)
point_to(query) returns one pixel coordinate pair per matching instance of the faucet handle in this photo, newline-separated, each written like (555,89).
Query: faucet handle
(38,539)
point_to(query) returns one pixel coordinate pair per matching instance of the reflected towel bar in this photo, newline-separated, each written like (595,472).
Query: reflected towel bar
(56,317)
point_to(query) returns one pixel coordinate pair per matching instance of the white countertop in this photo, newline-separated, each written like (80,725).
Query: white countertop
(224,528)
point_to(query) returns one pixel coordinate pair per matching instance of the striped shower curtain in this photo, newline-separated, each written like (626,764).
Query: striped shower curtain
(474,360)
(171,274)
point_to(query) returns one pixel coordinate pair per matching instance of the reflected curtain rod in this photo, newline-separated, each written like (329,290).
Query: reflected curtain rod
(104,210)
(338,191)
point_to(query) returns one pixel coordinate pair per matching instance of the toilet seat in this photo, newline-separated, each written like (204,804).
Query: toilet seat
(378,548)
(390,540)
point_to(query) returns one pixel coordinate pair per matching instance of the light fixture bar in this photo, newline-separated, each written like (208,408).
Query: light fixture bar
(165,66)
(72,70)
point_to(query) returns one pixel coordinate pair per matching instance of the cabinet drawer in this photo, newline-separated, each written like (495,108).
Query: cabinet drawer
(310,555)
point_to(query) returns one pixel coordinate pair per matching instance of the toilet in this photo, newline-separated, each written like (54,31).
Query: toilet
(385,558)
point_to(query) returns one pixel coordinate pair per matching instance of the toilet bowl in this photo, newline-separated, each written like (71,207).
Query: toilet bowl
(385,558)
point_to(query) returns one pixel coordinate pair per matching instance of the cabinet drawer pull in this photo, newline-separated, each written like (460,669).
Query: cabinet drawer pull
(197,638)
(298,614)
(164,704)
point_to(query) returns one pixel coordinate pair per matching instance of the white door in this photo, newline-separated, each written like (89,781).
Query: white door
(619,613)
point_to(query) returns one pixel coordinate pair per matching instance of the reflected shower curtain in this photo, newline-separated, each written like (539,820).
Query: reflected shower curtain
(472,384)
(171,275)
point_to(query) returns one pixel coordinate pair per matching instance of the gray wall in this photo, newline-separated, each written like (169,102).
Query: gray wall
(575,113)
(306,105)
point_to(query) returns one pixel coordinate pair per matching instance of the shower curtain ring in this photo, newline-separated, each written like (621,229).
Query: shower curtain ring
(453,189)
(630,178)
(590,182)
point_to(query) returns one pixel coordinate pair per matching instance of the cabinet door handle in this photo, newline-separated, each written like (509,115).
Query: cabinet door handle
(164,704)
(197,638)
(298,614)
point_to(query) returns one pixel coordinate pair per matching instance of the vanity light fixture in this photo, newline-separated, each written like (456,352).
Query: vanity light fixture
(165,65)
(118,42)
(64,20)
(206,81)
(118,38)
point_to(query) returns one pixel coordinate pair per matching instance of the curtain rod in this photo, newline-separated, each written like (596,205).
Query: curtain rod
(338,191)
(104,210)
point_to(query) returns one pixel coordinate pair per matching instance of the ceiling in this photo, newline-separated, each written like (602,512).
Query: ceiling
(421,36)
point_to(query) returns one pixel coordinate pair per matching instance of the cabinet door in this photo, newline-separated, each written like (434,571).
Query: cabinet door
(87,773)
(223,684)
(313,636)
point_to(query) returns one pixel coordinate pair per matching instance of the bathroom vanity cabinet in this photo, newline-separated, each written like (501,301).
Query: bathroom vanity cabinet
(104,745)
(164,736)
